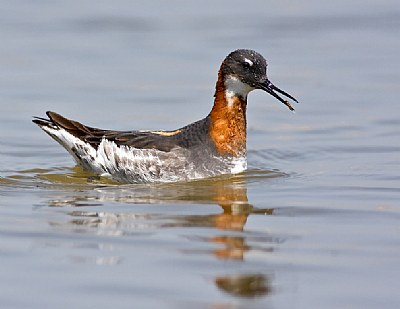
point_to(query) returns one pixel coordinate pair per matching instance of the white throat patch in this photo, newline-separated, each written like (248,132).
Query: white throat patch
(234,87)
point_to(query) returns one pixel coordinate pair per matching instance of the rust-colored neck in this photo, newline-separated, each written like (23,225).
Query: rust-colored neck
(228,121)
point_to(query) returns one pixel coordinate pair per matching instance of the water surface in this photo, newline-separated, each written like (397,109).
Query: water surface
(313,223)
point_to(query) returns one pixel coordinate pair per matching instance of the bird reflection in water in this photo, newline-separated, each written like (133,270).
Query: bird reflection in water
(244,285)
(230,193)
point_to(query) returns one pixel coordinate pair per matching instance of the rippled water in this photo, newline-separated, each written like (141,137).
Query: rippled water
(313,223)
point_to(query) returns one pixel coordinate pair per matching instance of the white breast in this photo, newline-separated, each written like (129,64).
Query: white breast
(132,165)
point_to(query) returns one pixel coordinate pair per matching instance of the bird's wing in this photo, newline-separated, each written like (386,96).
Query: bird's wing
(161,140)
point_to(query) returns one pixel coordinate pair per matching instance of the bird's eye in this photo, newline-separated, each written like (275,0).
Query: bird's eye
(247,63)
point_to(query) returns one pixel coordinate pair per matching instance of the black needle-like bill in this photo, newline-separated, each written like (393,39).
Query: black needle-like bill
(272,89)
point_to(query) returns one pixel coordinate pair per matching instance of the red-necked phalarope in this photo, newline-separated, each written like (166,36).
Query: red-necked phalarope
(212,146)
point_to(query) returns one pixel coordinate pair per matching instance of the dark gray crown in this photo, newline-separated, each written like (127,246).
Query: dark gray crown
(247,65)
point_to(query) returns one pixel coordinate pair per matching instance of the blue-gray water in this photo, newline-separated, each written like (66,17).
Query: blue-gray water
(314,223)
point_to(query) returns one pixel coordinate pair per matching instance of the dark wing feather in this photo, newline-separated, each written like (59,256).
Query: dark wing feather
(93,136)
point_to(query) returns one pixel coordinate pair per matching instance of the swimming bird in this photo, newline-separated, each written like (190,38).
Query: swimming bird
(209,147)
